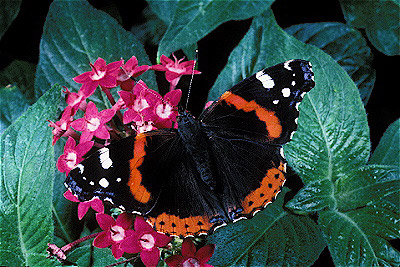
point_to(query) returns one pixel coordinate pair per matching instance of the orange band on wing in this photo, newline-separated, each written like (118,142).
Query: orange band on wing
(270,186)
(139,192)
(274,127)
(175,225)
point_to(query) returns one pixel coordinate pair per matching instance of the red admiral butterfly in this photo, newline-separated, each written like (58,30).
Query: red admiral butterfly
(226,165)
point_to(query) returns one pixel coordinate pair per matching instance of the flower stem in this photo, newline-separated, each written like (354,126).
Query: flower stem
(69,246)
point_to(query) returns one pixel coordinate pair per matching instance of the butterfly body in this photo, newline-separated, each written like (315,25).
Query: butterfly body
(226,165)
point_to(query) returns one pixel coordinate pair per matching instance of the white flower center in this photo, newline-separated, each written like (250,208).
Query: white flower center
(147,241)
(93,124)
(164,111)
(71,160)
(117,233)
(191,263)
(98,75)
(140,104)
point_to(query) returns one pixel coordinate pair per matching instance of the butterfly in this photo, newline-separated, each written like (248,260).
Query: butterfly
(225,165)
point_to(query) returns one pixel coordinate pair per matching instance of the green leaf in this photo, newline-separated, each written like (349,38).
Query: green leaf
(22,74)
(369,185)
(346,45)
(192,20)
(81,35)
(388,150)
(379,18)
(9,11)
(12,106)
(26,184)
(273,237)
(356,238)
(315,196)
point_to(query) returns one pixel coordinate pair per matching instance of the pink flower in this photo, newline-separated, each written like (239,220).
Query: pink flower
(101,74)
(190,257)
(72,155)
(84,206)
(138,101)
(75,100)
(174,69)
(63,125)
(142,126)
(114,232)
(165,110)
(130,69)
(93,123)
(146,241)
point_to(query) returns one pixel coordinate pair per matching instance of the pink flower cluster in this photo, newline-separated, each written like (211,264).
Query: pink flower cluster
(138,109)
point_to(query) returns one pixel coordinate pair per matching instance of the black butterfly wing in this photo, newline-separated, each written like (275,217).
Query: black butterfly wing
(152,175)
(247,126)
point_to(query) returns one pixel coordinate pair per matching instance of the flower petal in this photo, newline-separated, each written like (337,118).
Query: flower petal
(131,63)
(117,251)
(125,220)
(140,70)
(86,136)
(158,67)
(106,115)
(99,63)
(83,148)
(204,253)
(105,221)
(114,66)
(83,78)
(68,195)
(161,240)
(79,124)
(91,110)
(70,144)
(166,60)
(131,243)
(83,208)
(88,88)
(109,81)
(102,132)
(97,205)
(142,226)
(174,261)
(173,96)
(103,240)
(188,248)
(150,257)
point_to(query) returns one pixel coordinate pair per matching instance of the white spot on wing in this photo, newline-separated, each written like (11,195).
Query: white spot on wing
(281,152)
(118,179)
(81,168)
(286,92)
(104,157)
(286,65)
(275,101)
(91,183)
(265,79)
(104,183)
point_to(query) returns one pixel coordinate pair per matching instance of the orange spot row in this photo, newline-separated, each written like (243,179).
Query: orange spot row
(274,127)
(139,192)
(175,225)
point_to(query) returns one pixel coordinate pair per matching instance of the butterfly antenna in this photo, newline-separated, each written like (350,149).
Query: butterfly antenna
(191,79)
